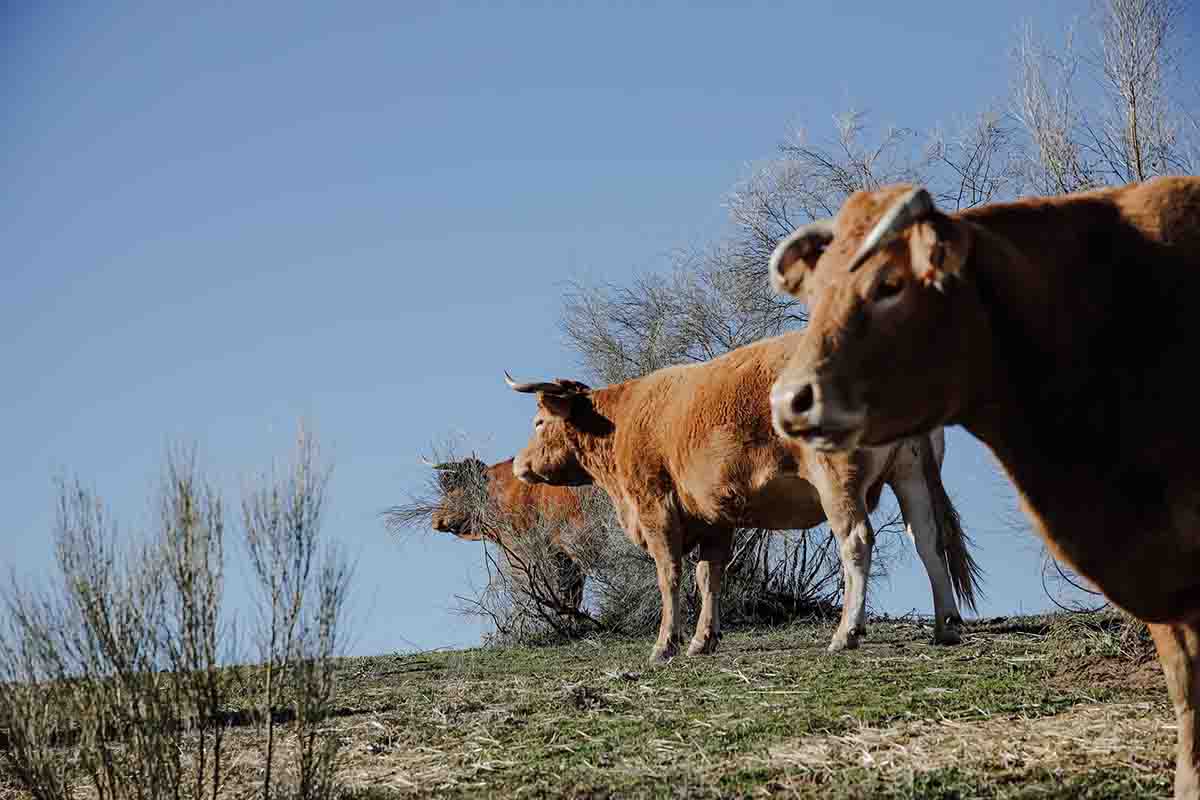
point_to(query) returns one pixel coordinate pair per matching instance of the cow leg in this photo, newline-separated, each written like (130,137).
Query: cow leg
(856,539)
(1179,653)
(713,554)
(919,522)
(667,551)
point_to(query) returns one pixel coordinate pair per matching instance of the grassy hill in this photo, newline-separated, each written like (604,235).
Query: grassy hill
(1026,707)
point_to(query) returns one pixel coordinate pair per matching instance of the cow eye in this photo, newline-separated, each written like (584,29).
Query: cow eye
(888,287)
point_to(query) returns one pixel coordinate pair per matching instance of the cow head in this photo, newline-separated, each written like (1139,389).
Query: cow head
(894,321)
(460,485)
(564,412)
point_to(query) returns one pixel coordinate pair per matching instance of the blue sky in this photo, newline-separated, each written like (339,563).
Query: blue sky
(218,220)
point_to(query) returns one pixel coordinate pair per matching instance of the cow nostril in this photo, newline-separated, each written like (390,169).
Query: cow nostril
(801,400)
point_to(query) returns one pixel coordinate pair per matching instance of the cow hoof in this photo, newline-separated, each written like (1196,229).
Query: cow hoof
(949,632)
(841,643)
(662,655)
(947,636)
(703,647)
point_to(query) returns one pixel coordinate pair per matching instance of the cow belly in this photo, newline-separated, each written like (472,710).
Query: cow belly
(1146,559)
(785,503)
(1157,579)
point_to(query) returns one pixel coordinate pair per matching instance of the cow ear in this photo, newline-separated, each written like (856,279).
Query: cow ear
(797,255)
(938,249)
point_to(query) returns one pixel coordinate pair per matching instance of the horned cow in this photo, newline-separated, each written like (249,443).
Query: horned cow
(687,454)
(1062,333)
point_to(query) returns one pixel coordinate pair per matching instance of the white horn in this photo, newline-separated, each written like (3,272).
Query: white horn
(911,208)
(533,387)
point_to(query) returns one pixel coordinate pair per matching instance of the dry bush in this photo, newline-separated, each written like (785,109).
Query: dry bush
(303,585)
(1137,125)
(1108,632)
(121,654)
(536,568)
(534,583)
(116,674)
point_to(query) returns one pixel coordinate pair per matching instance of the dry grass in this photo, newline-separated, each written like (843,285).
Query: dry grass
(1016,711)
(1135,736)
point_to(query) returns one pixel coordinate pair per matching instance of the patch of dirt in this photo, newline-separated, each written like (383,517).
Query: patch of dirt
(1109,673)
(1139,736)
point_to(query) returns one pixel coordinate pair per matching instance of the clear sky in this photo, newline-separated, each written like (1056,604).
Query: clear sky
(216,220)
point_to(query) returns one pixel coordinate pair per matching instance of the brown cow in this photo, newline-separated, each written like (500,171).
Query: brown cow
(1059,331)
(687,454)
(458,513)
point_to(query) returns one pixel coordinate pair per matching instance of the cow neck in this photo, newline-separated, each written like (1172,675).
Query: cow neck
(1043,271)
(1038,335)
(1030,328)
(597,439)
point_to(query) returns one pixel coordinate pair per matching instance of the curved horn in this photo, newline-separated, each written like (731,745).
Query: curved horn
(531,388)
(804,242)
(911,208)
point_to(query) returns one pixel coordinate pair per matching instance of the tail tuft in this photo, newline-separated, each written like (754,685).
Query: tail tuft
(965,573)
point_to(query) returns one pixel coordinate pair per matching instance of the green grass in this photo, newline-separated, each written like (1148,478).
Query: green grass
(592,719)
(1022,709)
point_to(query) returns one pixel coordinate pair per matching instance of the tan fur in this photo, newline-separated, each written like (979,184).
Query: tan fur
(688,453)
(1065,340)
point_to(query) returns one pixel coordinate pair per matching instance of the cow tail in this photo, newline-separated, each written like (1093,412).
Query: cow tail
(953,541)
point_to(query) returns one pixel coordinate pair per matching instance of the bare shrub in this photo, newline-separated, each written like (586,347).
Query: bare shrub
(708,303)
(534,586)
(536,572)
(1045,104)
(1136,131)
(116,674)
(1136,126)
(976,161)
(34,708)
(122,653)
(303,585)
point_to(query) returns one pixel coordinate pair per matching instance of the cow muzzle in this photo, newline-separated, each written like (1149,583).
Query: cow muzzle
(525,473)
(811,410)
